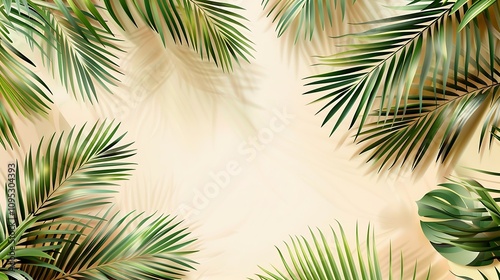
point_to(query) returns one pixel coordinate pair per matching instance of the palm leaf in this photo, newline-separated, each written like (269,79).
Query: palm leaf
(307,14)
(482,275)
(17,274)
(495,132)
(76,43)
(7,132)
(59,235)
(462,221)
(74,168)
(21,89)
(320,260)
(212,28)
(475,9)
(153,250)
(75,37)
(412,82)
(80,59)
(64,182)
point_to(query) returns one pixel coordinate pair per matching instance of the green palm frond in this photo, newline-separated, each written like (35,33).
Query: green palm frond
(22,90)
(212,28)
(414,82)
(320,260)
(482,275)
(74,42)
(67,175)
(77,45)
(64,181)
(461,219)
(477,7)
(307,14)
(60,231)
(153,250)
(80,60)
(14,274)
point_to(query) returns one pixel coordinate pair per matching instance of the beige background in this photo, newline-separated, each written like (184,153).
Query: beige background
(188,120)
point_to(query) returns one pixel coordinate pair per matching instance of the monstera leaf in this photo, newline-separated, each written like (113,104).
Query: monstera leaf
(461,219)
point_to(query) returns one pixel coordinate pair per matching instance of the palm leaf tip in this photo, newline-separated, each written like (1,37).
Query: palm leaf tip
(303,16)
(212,28)
(74,40)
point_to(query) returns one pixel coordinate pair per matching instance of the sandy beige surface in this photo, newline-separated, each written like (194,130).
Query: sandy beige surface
(242,158)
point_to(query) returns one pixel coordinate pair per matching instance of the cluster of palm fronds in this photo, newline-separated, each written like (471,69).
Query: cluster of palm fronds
(64,227)
(414,86)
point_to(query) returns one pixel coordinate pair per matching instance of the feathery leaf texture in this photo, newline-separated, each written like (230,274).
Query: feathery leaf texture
(462,221)
(482,275)
(212,28)
(319,260)
(307,14)
(415,82)
(72,42)
(63,181)
(59,34)
(21,89)
(153,250)
(60,231)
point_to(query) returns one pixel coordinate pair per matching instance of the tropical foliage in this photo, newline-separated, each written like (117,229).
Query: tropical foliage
(482,275)
(416,83)
(62,226)
(212,28)
(320,260)
(414,87)
(77,43)
(461,220)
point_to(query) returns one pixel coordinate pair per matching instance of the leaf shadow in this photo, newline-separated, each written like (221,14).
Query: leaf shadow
(173,81)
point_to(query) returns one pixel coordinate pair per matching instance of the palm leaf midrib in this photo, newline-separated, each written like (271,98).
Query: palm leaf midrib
(81,51)
(135,258)
(215,24)
(68,39)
